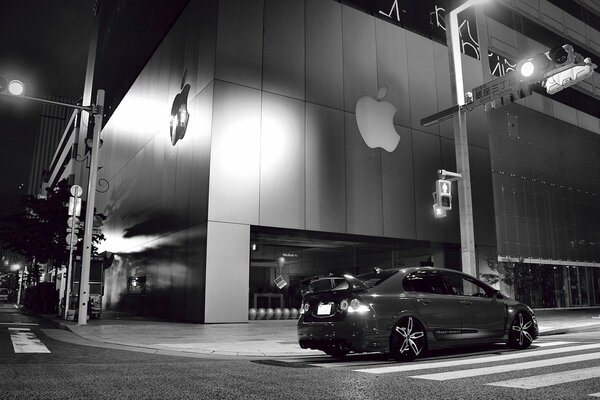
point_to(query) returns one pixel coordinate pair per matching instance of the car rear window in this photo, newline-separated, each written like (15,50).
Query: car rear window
(372,279)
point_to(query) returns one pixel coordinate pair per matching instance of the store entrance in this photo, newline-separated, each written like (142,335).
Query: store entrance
(283,261)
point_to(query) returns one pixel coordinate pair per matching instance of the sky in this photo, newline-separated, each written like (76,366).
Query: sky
(45,44)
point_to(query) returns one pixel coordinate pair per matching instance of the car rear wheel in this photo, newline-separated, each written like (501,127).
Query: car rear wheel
(408,340)
(521,331)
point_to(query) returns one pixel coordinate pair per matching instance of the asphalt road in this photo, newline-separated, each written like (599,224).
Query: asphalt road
(75,369)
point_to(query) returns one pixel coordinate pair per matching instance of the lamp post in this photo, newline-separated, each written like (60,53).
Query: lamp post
(17,267)
(461,144)
(97,110)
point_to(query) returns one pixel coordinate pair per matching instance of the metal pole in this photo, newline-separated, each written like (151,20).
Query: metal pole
(465,207)
(89,212)
(20,284)
(68,288)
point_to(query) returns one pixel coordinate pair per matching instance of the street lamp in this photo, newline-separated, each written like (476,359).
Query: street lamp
(461,144)
(97,111)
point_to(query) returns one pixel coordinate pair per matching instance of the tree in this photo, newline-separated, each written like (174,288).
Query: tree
(38,231)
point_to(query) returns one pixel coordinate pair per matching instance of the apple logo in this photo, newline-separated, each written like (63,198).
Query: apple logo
(179,112)
(375,119)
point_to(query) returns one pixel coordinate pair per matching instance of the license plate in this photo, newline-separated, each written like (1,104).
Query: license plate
(324,309)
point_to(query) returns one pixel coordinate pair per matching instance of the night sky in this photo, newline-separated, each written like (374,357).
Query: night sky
(45,43)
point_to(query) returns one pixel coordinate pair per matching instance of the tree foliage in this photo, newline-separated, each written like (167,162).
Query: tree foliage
(38,231)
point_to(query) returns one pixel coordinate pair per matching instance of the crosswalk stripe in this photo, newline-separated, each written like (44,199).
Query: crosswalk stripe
(462,362)
(547,344)
(594,394)
(25,341)
(469,373)
(555,378)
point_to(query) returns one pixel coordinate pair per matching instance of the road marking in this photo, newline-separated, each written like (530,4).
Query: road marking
(18,323)
(25,341)
(547,344)
(555,378)
(594,395)
(470,373)
(454,363)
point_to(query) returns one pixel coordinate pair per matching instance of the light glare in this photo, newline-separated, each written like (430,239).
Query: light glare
(16,87)
(527,69)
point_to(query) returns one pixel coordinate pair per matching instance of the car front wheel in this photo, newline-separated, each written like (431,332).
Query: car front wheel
(521,331)
(408,340)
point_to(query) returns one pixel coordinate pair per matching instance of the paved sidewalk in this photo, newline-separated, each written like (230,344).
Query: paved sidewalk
(273,338)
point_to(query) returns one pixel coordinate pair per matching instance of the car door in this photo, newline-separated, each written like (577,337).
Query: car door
(438,309)
(482,315)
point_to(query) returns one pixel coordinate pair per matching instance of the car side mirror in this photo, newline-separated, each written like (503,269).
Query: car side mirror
(496,295)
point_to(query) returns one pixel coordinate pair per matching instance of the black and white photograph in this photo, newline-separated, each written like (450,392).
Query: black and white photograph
(300,199)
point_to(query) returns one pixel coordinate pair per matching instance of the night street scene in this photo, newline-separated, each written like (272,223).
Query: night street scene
(300,199)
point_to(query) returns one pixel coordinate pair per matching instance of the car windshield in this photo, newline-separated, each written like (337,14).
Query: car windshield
(372,279)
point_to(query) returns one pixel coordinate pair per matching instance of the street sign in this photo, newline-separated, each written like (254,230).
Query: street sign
(504,86)
(76,191)
(72,230)
(69,247)
(74,206)
(73,222)
(71,239)
(96,231)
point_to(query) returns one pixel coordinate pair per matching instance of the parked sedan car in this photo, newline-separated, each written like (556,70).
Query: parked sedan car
(407,311)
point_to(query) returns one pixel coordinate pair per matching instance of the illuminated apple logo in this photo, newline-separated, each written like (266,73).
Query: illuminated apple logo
(375,119)
(179,112)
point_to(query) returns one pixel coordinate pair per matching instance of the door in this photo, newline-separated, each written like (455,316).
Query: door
(482,315)
(438,309)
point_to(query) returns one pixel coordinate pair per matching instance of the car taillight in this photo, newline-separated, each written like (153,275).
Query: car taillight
(344,305)
(304,307)
(357,307)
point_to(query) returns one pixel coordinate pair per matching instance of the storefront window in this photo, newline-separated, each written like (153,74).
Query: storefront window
(596,285)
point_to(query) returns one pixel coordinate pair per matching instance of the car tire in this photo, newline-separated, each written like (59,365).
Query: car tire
(408,339)
(521,333)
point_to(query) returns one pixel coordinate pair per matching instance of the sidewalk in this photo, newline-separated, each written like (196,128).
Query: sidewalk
(273,338)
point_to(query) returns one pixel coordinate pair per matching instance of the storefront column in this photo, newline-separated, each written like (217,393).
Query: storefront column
(227,272)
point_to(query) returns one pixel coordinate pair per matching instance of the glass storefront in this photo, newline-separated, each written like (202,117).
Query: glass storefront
(554,286)
(282,262)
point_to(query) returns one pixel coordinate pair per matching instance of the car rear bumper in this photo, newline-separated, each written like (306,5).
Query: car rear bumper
(350,336)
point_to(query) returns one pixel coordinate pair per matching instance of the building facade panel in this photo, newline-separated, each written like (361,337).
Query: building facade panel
(398,188)
(282,162)
(363,183)
(325,169)
(283,55)
(235,154)
(324,54)
(360,58)
(240,42)
(392,69)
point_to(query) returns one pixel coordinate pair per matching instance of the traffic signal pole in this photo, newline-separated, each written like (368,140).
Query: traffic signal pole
(84,284)
(461,144)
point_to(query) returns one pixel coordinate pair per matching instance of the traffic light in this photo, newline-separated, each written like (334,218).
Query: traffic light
(443,189)
(557,69)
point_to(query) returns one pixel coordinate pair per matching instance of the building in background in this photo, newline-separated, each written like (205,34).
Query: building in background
(240,163)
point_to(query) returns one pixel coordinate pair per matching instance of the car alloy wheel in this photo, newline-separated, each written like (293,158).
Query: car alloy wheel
(408,339)
(520,336)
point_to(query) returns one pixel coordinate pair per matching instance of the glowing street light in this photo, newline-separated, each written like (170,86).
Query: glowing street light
(16,87)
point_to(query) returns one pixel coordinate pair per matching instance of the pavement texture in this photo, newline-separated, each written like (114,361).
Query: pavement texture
(253,339)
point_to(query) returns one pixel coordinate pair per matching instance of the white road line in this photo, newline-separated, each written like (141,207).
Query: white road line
(547,344)
(469,373)
(25,341)
(594,395)
(462,362)
(555,378)
(18,323)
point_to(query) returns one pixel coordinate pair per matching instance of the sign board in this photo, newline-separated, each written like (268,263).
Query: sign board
(76,191)
(71,239)
(496,88)
(73,222)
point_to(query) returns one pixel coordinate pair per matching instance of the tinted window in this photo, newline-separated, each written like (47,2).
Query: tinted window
(424,283)
(462,286)
(373,279)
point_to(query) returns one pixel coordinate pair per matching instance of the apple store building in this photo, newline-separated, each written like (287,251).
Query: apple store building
(266,142)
